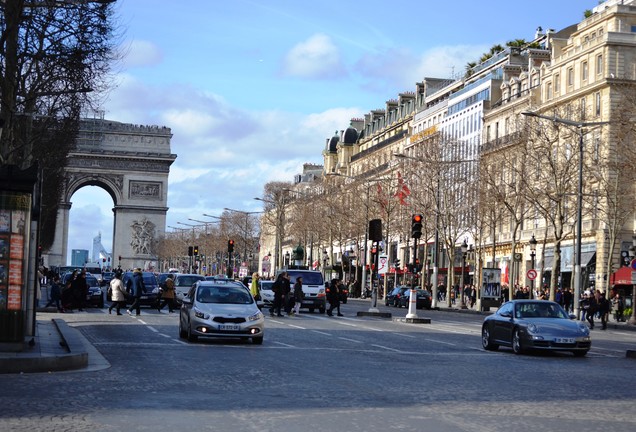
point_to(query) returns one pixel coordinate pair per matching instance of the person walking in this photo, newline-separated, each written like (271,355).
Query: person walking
(167,295)
(80,290)
(255,287)
(333,297)
(298,295)
(618,306)
(281,290)
(117,294)
(590,308)
(137,288)
(56,294)
(604,307)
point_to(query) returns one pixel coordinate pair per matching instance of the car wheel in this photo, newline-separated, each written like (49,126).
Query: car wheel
(579,353)
(257,340)
(344,301)
(485,340)
(311,310)
(101,303)
(191,337)
(182,332)
(517,346)
(322,310)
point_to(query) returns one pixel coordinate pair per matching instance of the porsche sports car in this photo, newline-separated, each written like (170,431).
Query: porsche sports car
(527,325)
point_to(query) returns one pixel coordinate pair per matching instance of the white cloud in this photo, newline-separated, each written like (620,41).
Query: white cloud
(141,53)
(317,57)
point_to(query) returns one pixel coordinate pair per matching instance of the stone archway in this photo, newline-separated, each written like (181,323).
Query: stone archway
(131,163)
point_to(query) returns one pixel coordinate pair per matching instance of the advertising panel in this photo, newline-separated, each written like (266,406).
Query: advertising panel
(14,211)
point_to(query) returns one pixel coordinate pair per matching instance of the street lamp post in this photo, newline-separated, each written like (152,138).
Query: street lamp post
(533,253)
(579,201)
(462,287)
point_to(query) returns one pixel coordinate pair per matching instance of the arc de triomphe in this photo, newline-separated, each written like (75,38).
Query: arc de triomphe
(131,163)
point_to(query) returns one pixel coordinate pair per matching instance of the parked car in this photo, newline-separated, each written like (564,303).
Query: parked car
(95,295)
(423,299)
(393,298)
(152,295)
(106,278)
(221,309)
(535,325)
(267,295)
(183,282)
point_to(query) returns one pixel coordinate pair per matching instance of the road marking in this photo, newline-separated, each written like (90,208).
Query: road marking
(295,326)
(152,328)
(387,348)
(350,340)
(284,344)
(404,335)
(322,333)
(441,342)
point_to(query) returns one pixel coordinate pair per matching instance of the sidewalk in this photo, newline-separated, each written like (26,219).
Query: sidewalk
(55,347)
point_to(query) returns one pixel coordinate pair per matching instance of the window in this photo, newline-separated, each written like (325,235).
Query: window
(583,108)
(557,83)
(548,91)
(570,77)
(584,71)
(599,64)
(597,104)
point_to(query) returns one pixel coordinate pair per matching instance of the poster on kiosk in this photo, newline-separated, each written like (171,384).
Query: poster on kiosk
(15,212)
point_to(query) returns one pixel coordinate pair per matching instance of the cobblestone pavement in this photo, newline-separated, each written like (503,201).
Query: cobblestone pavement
(335,374)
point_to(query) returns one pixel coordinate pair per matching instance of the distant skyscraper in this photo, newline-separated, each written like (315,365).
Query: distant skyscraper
(79,257)
(99,253)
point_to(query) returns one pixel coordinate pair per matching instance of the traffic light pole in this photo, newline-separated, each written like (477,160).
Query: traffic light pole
(413,297)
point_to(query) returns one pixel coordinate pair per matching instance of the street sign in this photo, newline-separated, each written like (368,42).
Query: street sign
(532,274)
(633,264)
(518,257)
(383,264)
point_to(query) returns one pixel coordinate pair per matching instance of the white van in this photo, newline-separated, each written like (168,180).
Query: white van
(313,287)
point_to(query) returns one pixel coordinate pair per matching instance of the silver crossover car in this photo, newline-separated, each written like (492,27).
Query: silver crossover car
(527,325)
(220,308)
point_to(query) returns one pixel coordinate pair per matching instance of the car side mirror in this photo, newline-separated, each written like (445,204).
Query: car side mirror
(506,314)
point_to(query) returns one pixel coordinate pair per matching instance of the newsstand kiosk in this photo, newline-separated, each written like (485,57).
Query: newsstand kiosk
(17,257)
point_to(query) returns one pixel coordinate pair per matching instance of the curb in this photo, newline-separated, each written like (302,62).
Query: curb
(77,357)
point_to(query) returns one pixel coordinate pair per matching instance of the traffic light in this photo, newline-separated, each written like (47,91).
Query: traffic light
(375,230)
(418,266)
(396,264)
(416,226)
(195,251)
(190,251)
(230,246)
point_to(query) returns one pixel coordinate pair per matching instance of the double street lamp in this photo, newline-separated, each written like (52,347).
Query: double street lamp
(579,202)
(462,285)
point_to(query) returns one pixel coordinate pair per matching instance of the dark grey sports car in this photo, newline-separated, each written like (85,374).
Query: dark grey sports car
(535,325)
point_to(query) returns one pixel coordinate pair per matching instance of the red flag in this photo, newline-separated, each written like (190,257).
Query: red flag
(403,190)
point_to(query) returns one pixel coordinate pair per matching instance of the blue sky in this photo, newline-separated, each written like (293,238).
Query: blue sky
(252,89)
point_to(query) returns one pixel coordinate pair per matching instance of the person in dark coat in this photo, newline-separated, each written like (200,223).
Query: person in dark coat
(137,288)
(281,289)
(298,295)
(604,309)
(56,294)
(333,296)
(80,290)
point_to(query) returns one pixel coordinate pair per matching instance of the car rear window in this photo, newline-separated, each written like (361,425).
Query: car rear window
(187,280)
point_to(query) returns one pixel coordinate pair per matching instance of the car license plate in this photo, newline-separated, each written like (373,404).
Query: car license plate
(307,302)
(229,327)
(564,340)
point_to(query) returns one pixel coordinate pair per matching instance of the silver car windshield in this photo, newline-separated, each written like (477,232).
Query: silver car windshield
(225,295)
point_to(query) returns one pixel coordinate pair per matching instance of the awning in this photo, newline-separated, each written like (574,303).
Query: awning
(586,259)
(622,276)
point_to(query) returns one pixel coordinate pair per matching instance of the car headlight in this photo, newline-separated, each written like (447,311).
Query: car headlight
(321,292)
(200,314)
(583,328)
(533,329)
(156,290)
(258,315)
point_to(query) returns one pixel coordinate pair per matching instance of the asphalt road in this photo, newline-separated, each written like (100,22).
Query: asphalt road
(330,374)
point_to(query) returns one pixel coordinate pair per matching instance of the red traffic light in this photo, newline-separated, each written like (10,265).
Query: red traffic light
(417,218)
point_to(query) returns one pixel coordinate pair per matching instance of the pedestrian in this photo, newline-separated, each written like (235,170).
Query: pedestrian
(117,293)
(603,309)
(280,289)
(167,295)
(618,306)
(80,290)
(590,307)
(567,300)
(333,297)
(298,295)
(56,294)
(137,288)
(255,288)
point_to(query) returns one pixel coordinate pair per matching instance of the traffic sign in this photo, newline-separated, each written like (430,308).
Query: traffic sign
(633,264)
(383,264)
(532,274)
